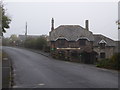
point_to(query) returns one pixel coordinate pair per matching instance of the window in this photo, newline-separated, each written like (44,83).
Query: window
(102,44)
(72,44)
(102,55)
(82,42)
(61,43)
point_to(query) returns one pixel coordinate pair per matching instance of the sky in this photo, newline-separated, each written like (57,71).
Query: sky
(102,16)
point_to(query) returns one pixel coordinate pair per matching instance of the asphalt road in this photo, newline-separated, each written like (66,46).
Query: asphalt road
(32,70)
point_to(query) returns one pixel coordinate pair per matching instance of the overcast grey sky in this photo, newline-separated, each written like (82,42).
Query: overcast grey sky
(101,15)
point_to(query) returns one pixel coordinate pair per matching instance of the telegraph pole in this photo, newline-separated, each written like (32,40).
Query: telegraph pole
(26,31)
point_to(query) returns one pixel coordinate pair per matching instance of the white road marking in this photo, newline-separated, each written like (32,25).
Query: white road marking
(41,84)
(14,74)
(14,70)
(67,62)
(5,58)
(16,86)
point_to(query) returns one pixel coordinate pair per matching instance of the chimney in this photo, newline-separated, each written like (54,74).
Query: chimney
(87,25)
(52,26)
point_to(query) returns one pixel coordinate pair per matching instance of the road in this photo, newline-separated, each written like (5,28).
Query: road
(33,70)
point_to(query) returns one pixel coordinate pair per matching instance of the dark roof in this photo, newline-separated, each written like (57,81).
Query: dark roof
(71,33)
(22,37)
(99,37)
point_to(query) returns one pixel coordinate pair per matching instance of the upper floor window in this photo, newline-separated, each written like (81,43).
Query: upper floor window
(61,43)
(102,44)
(82,42)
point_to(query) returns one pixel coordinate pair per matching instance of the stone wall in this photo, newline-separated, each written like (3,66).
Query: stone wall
(71,44)
(109,51)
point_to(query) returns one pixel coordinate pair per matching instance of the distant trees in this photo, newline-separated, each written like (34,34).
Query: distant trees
(5,41)
(30,43)
(13,40)
(13,37)
(40,43)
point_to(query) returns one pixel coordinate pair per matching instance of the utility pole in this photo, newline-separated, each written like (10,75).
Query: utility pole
(26,31)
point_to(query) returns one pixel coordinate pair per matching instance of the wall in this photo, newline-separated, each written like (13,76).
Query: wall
(109,51)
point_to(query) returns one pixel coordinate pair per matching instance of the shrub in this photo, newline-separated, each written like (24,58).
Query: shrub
(37,43)
(115,60)
(30,43)
(41,43)
(112,63)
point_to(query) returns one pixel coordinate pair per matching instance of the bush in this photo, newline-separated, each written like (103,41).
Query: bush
(47,49)
(41,43)
(30,43)
(115,60)
(37,43)
(112,63)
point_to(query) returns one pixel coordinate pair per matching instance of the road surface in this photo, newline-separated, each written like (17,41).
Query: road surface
(33,70)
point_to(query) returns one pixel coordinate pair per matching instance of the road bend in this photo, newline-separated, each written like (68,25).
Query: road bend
(33,70)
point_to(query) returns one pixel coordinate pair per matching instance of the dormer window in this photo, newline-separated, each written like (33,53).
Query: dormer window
(61,43)
(82,42)
(102,44)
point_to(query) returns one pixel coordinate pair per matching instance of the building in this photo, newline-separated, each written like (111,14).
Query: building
(104,46)
(23,37)
(73,42)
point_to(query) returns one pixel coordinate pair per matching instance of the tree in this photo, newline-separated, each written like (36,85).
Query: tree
(41,42)
(5,41)
(37,43)
(13,37)
(30,42)
(13,40)
(5,19)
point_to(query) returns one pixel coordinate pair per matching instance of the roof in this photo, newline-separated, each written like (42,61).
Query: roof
(22,37)
(98,38)
(102,41)
(70,33)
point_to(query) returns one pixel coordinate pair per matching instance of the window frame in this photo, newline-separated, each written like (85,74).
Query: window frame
(61,43)
(83,43)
